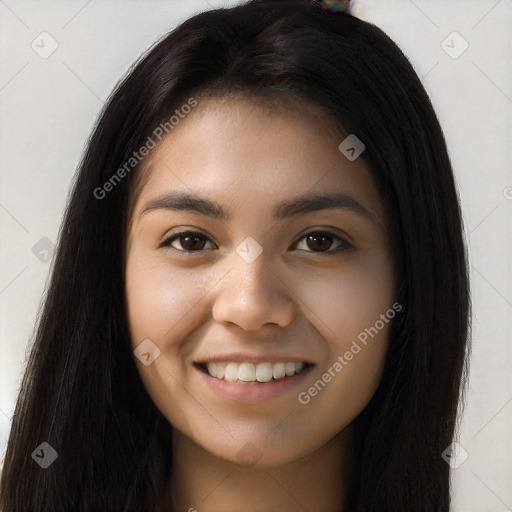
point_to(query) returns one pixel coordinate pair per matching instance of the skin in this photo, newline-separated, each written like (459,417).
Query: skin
(296,298)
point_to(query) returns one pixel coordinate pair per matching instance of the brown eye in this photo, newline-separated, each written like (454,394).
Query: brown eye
(322,241)
(188,240)
(318,242)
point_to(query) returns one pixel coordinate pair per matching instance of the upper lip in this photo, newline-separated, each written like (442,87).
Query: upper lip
(238,357)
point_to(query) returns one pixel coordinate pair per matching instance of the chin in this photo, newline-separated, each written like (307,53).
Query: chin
(259,454)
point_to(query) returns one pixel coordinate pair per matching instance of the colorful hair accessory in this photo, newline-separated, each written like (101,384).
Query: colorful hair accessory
(335,6)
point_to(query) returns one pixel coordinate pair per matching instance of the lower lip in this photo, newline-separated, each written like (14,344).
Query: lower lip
(254,393)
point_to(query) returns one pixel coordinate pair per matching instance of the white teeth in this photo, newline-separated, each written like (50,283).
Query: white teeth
(278,371)
(289,368)
(216,370)
(249,372)
(264,372)
(212,369)
(231,374)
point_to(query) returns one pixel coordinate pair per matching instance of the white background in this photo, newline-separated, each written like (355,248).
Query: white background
(48,108)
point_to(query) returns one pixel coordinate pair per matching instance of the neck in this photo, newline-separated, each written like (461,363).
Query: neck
(319,481)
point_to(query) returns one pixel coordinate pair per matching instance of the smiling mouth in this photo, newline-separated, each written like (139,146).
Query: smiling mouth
(250,373)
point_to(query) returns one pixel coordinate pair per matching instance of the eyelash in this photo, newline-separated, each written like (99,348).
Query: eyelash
(345,245)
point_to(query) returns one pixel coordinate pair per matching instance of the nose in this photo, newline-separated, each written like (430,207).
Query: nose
(253,296)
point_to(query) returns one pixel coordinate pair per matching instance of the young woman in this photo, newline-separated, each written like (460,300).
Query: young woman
(260,295)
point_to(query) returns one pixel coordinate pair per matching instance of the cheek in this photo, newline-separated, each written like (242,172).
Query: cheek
(350,299)
(352,309)
(161,301)
(159,297)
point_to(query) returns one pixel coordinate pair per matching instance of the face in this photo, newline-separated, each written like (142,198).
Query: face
(259,311)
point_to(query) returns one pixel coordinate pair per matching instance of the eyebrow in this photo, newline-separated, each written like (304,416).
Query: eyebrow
(180,201)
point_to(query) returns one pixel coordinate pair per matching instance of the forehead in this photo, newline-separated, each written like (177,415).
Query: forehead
(245,154)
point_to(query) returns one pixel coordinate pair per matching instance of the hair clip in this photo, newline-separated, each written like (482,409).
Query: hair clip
(335,6)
